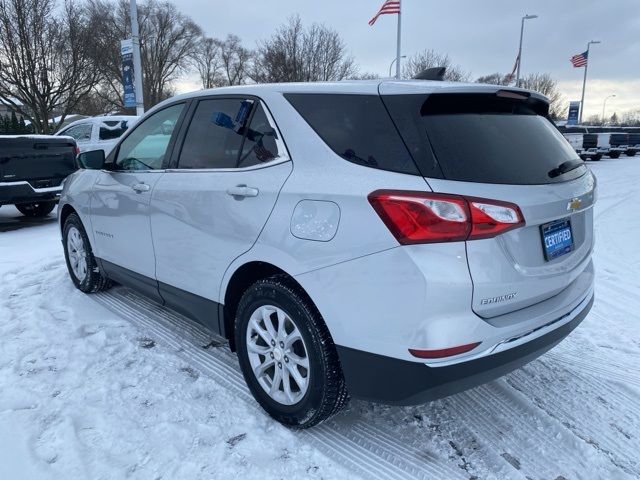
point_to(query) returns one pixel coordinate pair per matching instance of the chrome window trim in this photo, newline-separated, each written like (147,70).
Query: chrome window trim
(271,163)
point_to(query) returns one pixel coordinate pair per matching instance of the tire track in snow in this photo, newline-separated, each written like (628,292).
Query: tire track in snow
(611,373)
(370,450)
(498,422)
(390,440)
(603,434)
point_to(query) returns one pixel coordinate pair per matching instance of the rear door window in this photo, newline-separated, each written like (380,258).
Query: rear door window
(110,130)
(356,127)
(81,133)
(215,135)
(260,145)
(485,138)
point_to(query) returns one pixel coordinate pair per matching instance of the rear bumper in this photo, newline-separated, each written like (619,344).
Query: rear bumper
(400,382)
(22,192)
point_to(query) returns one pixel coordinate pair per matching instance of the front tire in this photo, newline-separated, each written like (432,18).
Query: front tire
(81,263)
(286,354)
(36,209)
(614,155)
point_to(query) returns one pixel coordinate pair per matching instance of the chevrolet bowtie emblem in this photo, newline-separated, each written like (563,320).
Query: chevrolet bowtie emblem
(574,204)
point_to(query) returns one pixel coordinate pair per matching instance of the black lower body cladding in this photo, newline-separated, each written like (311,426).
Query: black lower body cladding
(398,382)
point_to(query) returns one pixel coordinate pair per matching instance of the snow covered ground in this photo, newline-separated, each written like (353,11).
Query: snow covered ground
(111,386)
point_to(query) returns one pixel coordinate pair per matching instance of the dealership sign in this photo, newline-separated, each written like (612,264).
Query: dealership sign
(574,113)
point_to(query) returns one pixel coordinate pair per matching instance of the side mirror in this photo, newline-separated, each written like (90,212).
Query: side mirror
(93,160)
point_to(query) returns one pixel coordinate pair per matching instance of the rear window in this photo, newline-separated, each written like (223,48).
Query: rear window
(111,129)
(356,127)
(483,138)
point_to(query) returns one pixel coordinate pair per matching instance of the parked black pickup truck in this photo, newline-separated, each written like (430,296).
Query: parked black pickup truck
(32,169)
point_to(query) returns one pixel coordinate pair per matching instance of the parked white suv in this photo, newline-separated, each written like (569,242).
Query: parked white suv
(393,241)
(98,133)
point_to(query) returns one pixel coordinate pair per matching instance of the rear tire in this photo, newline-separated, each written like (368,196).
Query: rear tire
(321,391)
(36,209)
(81,263)
(614,154)
(631,153)
(597,157)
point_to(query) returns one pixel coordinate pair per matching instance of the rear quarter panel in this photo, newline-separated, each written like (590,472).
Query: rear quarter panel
(319,174)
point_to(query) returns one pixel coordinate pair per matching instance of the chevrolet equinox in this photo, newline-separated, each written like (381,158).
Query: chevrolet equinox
(396,241)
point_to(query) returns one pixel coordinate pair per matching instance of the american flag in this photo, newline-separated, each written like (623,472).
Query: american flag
(580,60)
(389,7)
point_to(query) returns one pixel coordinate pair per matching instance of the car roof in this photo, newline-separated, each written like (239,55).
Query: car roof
(383,86)
(102,118)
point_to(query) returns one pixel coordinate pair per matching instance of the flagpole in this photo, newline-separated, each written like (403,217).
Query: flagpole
(584,84)
(584,80)
(398,43)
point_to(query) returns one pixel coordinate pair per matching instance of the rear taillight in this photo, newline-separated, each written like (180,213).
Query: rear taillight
(77,150)
(419,217)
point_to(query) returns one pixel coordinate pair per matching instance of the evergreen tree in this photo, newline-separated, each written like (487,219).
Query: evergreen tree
(614,119)
(23,126)
(15,126)
(4,125)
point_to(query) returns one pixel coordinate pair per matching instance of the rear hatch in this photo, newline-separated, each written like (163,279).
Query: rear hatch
(500,145)
(43,161)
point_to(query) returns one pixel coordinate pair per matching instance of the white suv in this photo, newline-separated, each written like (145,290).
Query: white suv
(393,241)
(98,133)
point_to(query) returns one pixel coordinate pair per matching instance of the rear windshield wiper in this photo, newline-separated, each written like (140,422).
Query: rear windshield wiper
(565,167)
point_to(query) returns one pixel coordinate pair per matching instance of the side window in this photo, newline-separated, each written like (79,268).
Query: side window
(146,147)
(356,127)
(110,130)
(81,133)
(216,134)
(260,143)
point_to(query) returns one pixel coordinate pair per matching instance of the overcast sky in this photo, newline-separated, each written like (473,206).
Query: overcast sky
(480,36)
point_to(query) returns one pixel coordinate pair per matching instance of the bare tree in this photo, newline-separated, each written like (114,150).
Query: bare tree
(631,118)
(168,42)
(44,67)
(429,59)
(494,79)
(546,85)
(364,76)
(236,61)
(296,54)
(110,24)
(208,61)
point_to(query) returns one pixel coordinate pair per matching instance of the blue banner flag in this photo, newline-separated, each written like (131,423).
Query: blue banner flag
(128,73)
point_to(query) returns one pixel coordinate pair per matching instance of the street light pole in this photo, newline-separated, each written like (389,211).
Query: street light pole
(604,104)
(394,61)
(584,81)
(137,64)
(526,17)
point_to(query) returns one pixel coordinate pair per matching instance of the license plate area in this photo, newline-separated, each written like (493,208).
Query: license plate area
(557,238)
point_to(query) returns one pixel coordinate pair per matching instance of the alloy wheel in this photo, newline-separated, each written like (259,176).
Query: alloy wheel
(278,355)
